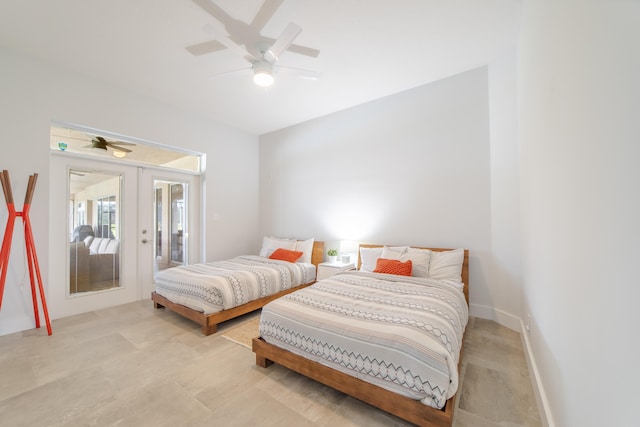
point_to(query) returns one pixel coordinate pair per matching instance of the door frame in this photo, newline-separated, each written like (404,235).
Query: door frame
(136,283)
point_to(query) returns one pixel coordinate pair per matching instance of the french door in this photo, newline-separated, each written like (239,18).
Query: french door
(116,203)
(167,233)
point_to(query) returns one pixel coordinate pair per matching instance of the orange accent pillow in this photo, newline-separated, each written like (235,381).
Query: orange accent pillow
(393,266)
(285,255)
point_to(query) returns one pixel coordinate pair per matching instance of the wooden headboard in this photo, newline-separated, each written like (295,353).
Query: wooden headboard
(317,255)
(465,264)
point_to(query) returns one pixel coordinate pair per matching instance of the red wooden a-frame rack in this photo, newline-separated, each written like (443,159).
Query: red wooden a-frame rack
(32,258)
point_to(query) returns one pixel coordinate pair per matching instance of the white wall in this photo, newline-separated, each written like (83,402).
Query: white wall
(579,110)
(411,168)
(504,303)
(35,93)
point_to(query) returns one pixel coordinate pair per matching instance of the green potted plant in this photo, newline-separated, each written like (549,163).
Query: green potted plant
(332,255)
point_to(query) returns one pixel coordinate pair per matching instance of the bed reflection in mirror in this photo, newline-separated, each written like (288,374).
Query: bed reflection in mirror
(94,224)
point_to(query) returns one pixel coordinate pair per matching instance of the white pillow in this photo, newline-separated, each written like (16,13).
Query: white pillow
(270,244)
(446,265)
(394,252)
(306,247)
(368,258)
(112,247)
(419,259)
(95,245)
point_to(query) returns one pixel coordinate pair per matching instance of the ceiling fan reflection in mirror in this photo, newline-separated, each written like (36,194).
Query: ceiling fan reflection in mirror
(247,41)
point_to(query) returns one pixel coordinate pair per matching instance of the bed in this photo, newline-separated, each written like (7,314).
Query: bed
(337,332)
(211,293)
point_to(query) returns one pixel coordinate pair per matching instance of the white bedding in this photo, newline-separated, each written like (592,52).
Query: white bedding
(401,333)
(220,285)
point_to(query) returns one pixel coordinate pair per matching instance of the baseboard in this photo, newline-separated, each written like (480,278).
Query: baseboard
(516,324)
(538,390)
(500,317)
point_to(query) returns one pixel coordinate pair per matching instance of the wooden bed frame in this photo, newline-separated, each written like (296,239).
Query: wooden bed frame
(403,407)
(209,322)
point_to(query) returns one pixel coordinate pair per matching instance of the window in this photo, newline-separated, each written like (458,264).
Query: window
(107,217)
(83,141)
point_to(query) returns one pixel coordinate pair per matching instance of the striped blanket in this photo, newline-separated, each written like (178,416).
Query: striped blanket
(220,285)
(401,333)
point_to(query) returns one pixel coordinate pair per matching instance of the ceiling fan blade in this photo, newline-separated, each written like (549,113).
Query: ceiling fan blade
(269,7)
(303,50)
(214,10)
(102,140)
(96,144)
(238,71)
(121,143)
(296,48)
(205,47)
(234,31)
(299,72)
(283,42)
(227,42)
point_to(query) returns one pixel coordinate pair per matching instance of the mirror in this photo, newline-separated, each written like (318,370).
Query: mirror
(94,231)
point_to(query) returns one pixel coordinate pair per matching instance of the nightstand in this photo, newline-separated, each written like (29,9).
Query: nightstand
(328,269)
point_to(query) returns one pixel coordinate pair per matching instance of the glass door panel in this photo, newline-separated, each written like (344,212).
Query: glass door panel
(177,223)
(170,223)
(94,249)
(158,220)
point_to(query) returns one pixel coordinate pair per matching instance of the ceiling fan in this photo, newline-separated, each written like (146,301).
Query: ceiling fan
(102,144)
(261,52)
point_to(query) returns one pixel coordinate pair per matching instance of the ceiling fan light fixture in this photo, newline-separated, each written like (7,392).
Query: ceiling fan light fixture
(263,74)
(263,79)
(119,154)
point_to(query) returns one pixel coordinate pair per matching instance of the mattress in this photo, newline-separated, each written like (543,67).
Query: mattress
(401,333)
(221,285)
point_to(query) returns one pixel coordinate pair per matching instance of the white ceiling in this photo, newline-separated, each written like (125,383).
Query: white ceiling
(368,49)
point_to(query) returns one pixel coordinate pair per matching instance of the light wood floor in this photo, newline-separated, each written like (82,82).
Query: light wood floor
(133,365)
